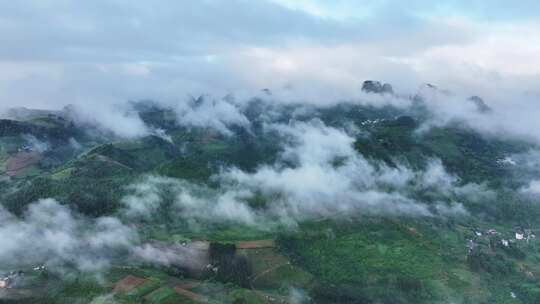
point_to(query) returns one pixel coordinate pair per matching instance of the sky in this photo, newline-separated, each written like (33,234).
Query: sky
(102,52)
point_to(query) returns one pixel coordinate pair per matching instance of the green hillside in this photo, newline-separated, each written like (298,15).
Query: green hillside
(344,256)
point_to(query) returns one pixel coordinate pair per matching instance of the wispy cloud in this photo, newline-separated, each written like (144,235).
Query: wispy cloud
(319,175)
(53,235)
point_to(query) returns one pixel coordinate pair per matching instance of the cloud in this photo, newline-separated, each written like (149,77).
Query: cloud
(349,9)
(533,188)
(527,163)
(213,113)
(163,135)
(154,195)
(111,31)
(319,175)
(435,179)
(512,116)
(36,144)
(329,176)
(298,296)
(186,255)
(117,119)
(51,234)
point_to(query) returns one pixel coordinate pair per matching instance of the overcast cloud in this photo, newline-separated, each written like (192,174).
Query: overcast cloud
(58,52)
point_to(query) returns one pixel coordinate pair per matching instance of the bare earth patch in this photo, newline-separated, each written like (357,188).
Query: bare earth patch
(128,283)
(21,160)
(189,285)
(190,295)
(255,244)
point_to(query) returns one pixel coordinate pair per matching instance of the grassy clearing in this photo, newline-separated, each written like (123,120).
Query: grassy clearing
(63,174)
(150,285)
(162,295)
(375,258)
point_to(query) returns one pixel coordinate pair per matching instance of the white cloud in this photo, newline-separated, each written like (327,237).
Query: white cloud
(36,144)
(491,50)
(51,234)
(328,178)
(188,255)
(512,115)
(109,117)
(214,113)
(533,188)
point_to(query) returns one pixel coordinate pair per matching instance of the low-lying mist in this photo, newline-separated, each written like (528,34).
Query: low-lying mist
(318,175)
(53,235)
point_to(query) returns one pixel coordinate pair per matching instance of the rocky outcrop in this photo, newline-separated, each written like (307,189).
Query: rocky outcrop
(372,86)
(22,113)
(481,106)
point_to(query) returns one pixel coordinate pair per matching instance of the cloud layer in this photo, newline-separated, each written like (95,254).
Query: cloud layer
(319,175)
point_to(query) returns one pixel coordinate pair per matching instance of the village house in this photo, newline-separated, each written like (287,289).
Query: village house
(470,245)
(26,148)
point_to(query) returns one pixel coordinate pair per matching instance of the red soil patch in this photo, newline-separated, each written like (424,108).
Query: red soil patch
(255,244)
(190,295)
(20,161)
(128,283)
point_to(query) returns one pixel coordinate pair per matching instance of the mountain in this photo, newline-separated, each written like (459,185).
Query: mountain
(268,202)
(372,86)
